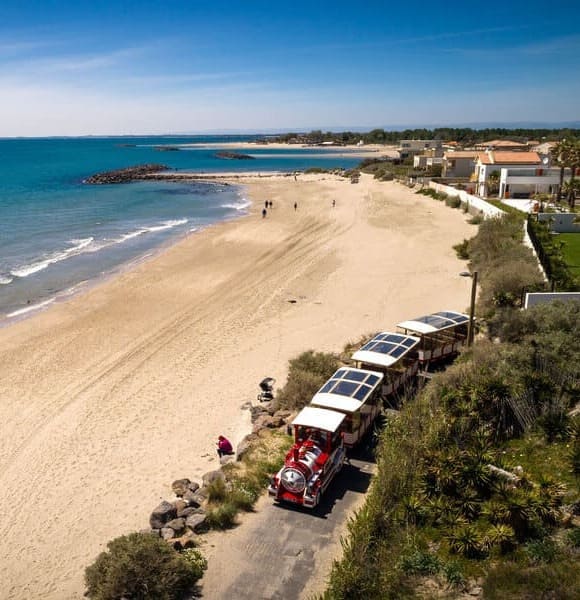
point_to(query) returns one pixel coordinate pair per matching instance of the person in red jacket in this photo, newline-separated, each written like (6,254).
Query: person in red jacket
(224,446)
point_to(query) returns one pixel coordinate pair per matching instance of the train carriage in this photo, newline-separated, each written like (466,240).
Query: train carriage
(393,354)
(442,334)
(315,458)
(356,394)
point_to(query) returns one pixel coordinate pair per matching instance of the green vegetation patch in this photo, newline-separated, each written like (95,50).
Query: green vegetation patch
(571,251)
(139,566)
(245,480)
(479,474)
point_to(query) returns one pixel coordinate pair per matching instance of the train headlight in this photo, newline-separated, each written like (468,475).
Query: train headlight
(293,480)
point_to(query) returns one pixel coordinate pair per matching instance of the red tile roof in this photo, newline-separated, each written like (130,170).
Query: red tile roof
(509,158)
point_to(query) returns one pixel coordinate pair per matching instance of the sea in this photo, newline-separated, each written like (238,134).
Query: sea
(59,234)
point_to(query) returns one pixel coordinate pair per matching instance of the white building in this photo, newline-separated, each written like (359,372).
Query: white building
(492,162)
(460,163)
(524,182)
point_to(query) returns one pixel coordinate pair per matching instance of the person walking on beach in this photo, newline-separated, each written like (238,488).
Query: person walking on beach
(224,446)
(295,205)
(266,204)
(271,204)
(264,213)
(333,203)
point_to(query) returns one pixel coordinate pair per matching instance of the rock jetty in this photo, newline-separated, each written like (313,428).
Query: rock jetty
(126,175)
(234,155)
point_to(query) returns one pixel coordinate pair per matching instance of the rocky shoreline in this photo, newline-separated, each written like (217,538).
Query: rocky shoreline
(126,175)
(234,156)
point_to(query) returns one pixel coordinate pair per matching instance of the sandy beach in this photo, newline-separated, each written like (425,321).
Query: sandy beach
(364,151)
(110,396)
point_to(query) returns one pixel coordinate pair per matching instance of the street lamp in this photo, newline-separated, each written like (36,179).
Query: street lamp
(471,328)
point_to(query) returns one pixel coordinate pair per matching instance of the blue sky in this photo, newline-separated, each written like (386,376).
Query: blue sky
(123,67)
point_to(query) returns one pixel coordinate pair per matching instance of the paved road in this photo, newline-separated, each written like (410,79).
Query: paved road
(284,553)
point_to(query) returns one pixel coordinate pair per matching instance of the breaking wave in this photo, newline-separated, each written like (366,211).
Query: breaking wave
(86,245)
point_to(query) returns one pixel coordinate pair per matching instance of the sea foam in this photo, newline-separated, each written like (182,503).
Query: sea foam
(78,247)
(30,308)
(86,245)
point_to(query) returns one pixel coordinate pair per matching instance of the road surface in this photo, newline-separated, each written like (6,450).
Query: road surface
(284,553)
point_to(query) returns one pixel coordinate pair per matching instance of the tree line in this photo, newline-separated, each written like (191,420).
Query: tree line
(463,135)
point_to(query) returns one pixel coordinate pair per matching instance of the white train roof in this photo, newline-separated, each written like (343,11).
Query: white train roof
(311,416)
(386,348)
(436,322)
(348,389)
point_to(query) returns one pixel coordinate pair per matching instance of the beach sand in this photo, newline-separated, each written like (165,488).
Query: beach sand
(110,396)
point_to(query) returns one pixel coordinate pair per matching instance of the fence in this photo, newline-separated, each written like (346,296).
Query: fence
(488,210)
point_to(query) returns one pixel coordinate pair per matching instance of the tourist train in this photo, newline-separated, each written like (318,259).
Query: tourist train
(345,407)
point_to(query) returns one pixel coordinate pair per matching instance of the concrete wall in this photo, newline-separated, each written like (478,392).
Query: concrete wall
(562,222)
(488,210)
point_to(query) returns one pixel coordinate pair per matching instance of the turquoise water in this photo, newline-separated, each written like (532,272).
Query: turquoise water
(56,232)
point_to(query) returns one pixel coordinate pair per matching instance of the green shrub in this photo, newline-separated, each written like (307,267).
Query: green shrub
(216,490)
(462,250)
(573,537)
(541,551)
(307,373)
(476,219)
(222,516)
(453,573)
(418,562)
(139,566)
(556,425)
(196,561)
(453,201)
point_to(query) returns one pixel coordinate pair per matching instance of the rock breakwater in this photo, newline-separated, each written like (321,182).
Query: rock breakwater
(126,175)
(234,155)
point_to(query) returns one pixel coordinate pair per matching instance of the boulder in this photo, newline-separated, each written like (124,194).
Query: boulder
(245,445)
(162,514)
(283,414)
(228,458)
(212,476)
(193,499)
(180,505)
(167,533)
(180,486)
(177,525)
(190,510)
(257,411)
(267,421)
(196,522)
(193,486)
(187,540)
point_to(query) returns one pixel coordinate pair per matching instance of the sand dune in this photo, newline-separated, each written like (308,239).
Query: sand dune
(107,398)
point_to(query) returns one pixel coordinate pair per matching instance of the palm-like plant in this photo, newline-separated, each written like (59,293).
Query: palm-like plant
(500,536)
(566,153)
(467,541)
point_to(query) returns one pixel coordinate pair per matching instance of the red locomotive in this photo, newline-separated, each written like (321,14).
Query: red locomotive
(315,458)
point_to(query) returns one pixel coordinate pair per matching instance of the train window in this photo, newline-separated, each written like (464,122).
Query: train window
(326,387)
(345,388)
(357,376)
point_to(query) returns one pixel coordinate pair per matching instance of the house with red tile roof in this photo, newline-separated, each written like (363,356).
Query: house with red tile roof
(492,162)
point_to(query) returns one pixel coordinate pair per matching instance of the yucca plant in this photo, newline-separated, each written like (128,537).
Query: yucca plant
(469,504)
(500,536)
(467,541)
(415,509)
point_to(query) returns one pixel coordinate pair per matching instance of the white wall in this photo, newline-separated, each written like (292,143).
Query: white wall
(488,210)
